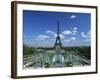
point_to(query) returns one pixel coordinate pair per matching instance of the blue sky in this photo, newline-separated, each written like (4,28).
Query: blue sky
(40,27)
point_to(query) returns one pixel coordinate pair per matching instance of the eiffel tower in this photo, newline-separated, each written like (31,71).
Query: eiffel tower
(58,40)
(58,58)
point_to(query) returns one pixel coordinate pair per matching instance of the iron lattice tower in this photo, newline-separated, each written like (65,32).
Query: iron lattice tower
(58,40)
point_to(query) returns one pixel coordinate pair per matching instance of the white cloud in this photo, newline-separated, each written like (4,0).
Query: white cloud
(67,32)
(83,34)
(51,32)
(75,28)
(67,40)
(42,37)
(62,36)
(87,40)
(74,32)
(73,38)
(86,35)
(54,35)
(72,16)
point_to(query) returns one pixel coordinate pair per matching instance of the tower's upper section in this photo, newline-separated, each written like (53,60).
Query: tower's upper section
(58,30)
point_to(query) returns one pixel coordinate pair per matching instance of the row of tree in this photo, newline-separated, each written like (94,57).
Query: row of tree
(83,51)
